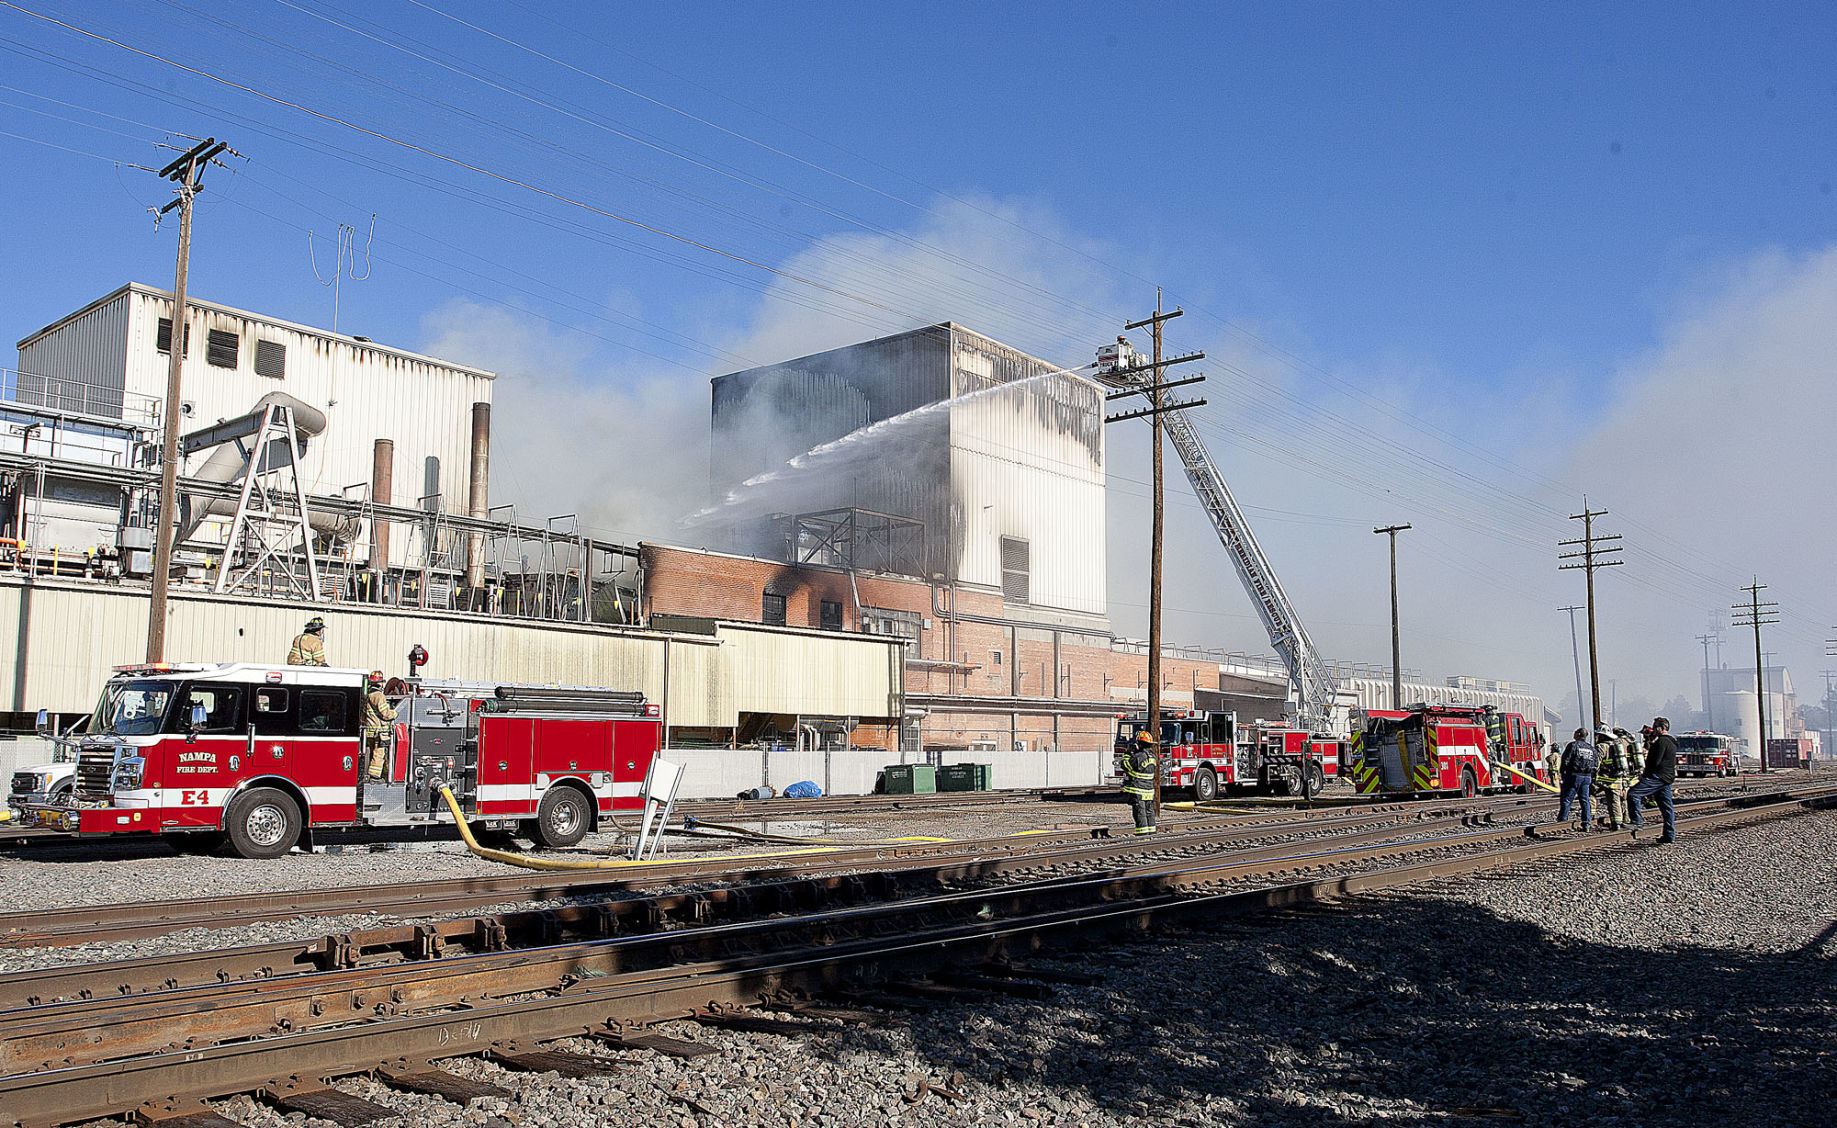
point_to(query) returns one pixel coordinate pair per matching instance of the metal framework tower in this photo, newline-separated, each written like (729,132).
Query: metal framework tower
(270,535)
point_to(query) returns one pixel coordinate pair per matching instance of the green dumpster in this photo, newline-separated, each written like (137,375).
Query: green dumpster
(910,779)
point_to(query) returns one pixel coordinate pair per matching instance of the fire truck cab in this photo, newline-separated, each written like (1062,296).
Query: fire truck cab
(1706,754)
(262,756)
(1434,749)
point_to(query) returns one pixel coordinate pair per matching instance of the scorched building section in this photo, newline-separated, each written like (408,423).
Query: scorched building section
(937,453)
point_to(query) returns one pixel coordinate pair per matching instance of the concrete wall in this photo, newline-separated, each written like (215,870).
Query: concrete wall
(723,773)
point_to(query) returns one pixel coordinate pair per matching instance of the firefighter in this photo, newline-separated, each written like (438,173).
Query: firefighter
(309,645)
(1615,773)
(379,719)
(1140,768)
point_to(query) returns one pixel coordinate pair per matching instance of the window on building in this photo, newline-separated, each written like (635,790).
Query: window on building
(163,341)
(270,359)
(220,349)
(904,625)
(831,615)
(994,657)
(1016,560)
(772,610)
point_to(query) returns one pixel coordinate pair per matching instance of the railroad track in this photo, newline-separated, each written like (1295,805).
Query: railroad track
(289,1038)
(115,922)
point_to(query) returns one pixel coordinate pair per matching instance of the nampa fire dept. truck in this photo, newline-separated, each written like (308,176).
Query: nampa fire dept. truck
(1706,754)
(263,756)
(1209,750)
(1429,749)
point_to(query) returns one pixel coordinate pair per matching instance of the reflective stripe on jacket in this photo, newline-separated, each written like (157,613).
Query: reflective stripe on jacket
(1139,771)
(307,650)
(378,716)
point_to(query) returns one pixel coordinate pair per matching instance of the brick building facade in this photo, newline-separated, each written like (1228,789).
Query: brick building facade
(973,677)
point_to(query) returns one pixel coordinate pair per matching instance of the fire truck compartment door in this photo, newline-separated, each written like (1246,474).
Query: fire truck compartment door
(1390,760)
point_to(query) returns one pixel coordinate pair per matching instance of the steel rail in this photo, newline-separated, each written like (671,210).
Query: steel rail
(307,1059)
(432,939)
(82,924)
(172,1018)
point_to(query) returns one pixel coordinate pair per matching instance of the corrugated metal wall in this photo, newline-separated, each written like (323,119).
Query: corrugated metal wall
(58,641)
(89,350)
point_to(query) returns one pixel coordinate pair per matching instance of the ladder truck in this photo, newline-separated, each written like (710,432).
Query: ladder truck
(1316,709)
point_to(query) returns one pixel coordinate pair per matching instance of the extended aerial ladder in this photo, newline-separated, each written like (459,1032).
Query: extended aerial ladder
(1312,684)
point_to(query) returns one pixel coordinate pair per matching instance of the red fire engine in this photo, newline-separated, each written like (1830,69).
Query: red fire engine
(1441,748)
(1706,754)
(1209,750)
(263,755)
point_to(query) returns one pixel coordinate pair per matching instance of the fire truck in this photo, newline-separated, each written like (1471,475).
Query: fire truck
(1706,754)
(264,756)
(1431,749)
(1209,750)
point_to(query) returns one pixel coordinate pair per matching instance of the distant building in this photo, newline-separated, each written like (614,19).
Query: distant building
(1733,708)
(91,387)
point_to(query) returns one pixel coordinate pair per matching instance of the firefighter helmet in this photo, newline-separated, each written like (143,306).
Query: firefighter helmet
(314,625)
(375,678)
(1146,737)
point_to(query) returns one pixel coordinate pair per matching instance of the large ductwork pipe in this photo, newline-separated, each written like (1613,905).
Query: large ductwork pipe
(227,463)
(382,492)
(478,505)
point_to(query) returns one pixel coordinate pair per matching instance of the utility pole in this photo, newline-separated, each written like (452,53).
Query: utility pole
(1758,613)
(1830,725)
(1124,379)
(1592,556)
(1396,644)
(1709,710)
(1581,702)
(185,172)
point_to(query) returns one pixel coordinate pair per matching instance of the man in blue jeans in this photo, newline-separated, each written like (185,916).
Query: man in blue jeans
(1579,760)
(1661,772)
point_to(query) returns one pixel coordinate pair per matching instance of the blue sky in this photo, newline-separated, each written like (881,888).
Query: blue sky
(1436,247)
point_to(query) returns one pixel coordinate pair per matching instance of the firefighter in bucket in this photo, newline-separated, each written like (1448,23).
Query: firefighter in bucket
(379,725)
(1140,768)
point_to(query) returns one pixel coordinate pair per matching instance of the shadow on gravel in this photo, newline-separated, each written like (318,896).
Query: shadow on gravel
(1415,1011)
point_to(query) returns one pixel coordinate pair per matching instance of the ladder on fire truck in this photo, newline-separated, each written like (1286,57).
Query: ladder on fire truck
(1314,687)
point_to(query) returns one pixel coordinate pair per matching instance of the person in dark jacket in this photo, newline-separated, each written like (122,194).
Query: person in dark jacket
(1660,773)
(1579,760)
(1140,768)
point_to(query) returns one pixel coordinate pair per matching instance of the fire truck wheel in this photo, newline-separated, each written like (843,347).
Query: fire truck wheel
(196,841)
(563,818)
(1317,780)
(1205,785)
(1469,786)
(263,823)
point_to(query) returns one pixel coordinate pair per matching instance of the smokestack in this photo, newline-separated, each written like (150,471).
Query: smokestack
(479,503)
(382,491)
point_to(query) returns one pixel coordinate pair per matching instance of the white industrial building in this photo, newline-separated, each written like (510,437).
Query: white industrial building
(998,455)
(94,383)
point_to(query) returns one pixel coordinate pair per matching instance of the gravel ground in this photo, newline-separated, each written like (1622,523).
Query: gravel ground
(1643,985)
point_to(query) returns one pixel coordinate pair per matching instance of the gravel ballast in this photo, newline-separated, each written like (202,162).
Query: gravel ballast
(1642,985)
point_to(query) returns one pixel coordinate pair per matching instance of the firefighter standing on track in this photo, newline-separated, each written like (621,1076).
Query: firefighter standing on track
(309,646)
(1615,774)
(379,718)
(1141,767)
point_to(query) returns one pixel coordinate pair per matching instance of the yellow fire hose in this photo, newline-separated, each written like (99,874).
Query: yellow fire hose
(1527,777)
(523,861)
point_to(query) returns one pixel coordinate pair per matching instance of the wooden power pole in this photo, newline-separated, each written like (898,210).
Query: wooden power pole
(1757,613)
(185,171)
(1396,643)
(1592,555)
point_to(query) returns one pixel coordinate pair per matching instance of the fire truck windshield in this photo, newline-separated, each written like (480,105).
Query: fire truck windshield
(132,708)
(1700,743)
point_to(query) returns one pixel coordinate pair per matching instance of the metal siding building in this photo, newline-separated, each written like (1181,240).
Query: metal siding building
(710,680)
(1375,693)
(1023,463)
(367,391)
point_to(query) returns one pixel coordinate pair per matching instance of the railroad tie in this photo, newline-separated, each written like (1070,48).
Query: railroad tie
(576,1066)
(440,1083)
(660,1043)
(328,1104)
(201,1119)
